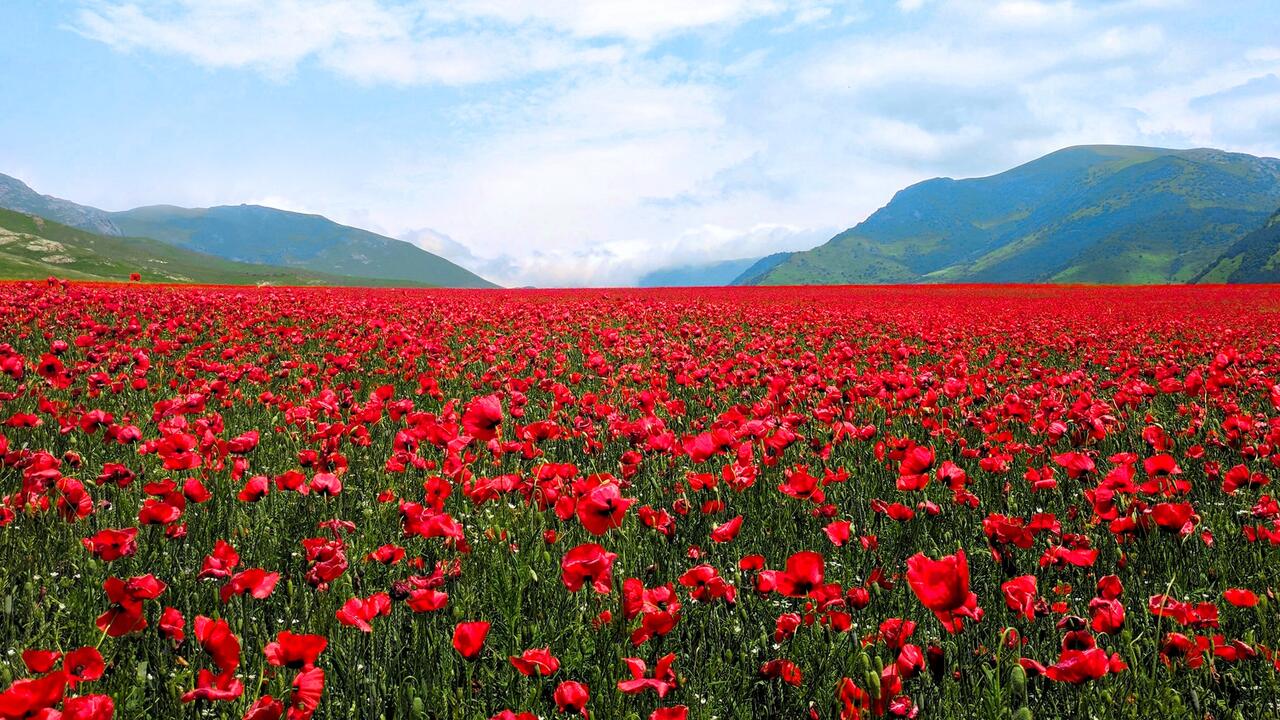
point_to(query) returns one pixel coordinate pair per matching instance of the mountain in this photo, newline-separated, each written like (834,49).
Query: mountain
(16,195)
(1254,258)
(710,274)
(752,274)
(1090,214)
(32,247)
(252,233)
(256,235)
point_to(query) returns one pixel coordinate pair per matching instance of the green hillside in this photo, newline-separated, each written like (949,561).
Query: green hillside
(252,233)
(752,274)
(32,247)
(1092,214)
(257,235)
(1254,258)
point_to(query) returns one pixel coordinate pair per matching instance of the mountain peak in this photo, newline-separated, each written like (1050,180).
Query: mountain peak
(17,195)
(255,234)
(1087,213)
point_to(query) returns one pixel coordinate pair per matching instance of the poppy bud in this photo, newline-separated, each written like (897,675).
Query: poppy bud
(936,659)
(1018,681)
(400,589)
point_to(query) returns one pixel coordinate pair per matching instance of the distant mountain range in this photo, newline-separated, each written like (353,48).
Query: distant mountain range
(709,274)
(298,245)
(33,247)
(1089,214)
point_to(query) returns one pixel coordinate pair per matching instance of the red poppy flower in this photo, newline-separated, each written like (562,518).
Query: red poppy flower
(468,638)
(40,661)
(126,597)
(804,572)
(913,472)
(943,587)
(785,670)
(1075,463)
(800,485)
(838,532)
(255,581)
(178,451)
(221,562)
(219,642)
(111,544)
(171,624)
(28,698)
(728,531)
(572,697)
(1079,666)
(295,651)
(483,418)
(83,665)
(536,660)
(785,626)
(588,563)
(214,688)
(1110,587)
(88,707)
(1106,616)
(265,708)
(426,600)
(358,612)
(326,484)
(387,554)
(602,508)
(255,488)
(1240,597)
(1020,595)
(308,687)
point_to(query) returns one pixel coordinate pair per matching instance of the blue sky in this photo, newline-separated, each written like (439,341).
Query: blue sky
(564,142)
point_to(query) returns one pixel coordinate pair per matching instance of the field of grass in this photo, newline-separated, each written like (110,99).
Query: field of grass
(937,502)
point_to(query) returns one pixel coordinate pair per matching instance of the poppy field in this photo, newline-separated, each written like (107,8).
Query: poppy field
(939,502)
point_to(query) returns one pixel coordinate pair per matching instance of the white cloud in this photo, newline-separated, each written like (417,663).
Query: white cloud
(240,33)
(423,42)
(965,97)
(1031,13)
(459,60)
(643,21)
(623,262)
